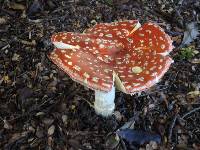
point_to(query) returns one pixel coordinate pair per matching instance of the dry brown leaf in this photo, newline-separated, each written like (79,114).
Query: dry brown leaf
(32,43)
(16,57)
(2,20)
(51,130)
(7,125)
(190,34)
(195,61)
(17,6)
(193,94)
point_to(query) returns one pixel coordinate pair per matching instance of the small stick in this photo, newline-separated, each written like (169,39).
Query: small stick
(190,112)
(90,104)
(172,126)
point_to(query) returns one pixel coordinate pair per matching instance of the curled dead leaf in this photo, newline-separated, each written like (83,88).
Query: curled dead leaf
(51,130)
(195,61)
(16,57)
(16,6)
(193,94)
(2,20)
(112,141)
(7,125)
(190,34)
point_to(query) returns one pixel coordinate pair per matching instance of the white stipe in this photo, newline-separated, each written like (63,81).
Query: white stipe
(104,102)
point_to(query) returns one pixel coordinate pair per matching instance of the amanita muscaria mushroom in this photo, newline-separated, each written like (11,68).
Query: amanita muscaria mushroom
(122,54)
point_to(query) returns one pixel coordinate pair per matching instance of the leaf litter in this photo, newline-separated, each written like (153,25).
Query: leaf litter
(40,107)
(190,34)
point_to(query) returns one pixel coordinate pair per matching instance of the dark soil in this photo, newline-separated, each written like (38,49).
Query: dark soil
(42,108)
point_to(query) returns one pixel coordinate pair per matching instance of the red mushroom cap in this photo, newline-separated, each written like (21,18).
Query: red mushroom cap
(137,57)
(103,48)
(145,61)
(114,30)
(85,68)
(138,72)
(152,37)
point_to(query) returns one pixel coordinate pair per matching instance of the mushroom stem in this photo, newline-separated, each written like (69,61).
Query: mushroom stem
(104,102)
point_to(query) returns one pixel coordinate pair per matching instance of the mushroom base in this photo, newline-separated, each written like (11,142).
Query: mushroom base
(104,104)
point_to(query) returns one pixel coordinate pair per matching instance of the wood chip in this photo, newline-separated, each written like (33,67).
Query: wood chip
(2,21)
(51,130)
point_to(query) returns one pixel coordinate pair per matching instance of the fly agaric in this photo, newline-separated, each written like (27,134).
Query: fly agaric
(123,54)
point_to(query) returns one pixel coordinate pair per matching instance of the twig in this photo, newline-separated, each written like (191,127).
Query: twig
(190,112)
(90,104)
(174,33)
(32,43)
(172,126)
(122,143)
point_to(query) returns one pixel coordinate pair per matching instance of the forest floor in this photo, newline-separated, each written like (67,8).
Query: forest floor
(42,108)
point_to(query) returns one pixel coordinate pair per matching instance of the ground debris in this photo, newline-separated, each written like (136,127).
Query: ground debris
(42,108)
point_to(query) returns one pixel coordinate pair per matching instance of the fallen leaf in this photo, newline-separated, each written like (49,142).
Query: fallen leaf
(118,115)
(190,34)
(15,57)
(39,114)
(193,94)
(138,137)
(64,119)
(2,20)
(51,130)
(32,43)
(6,79)
(7,125)
(112,141)
(17,6)
(152,145)
(195,61)
(35,7)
